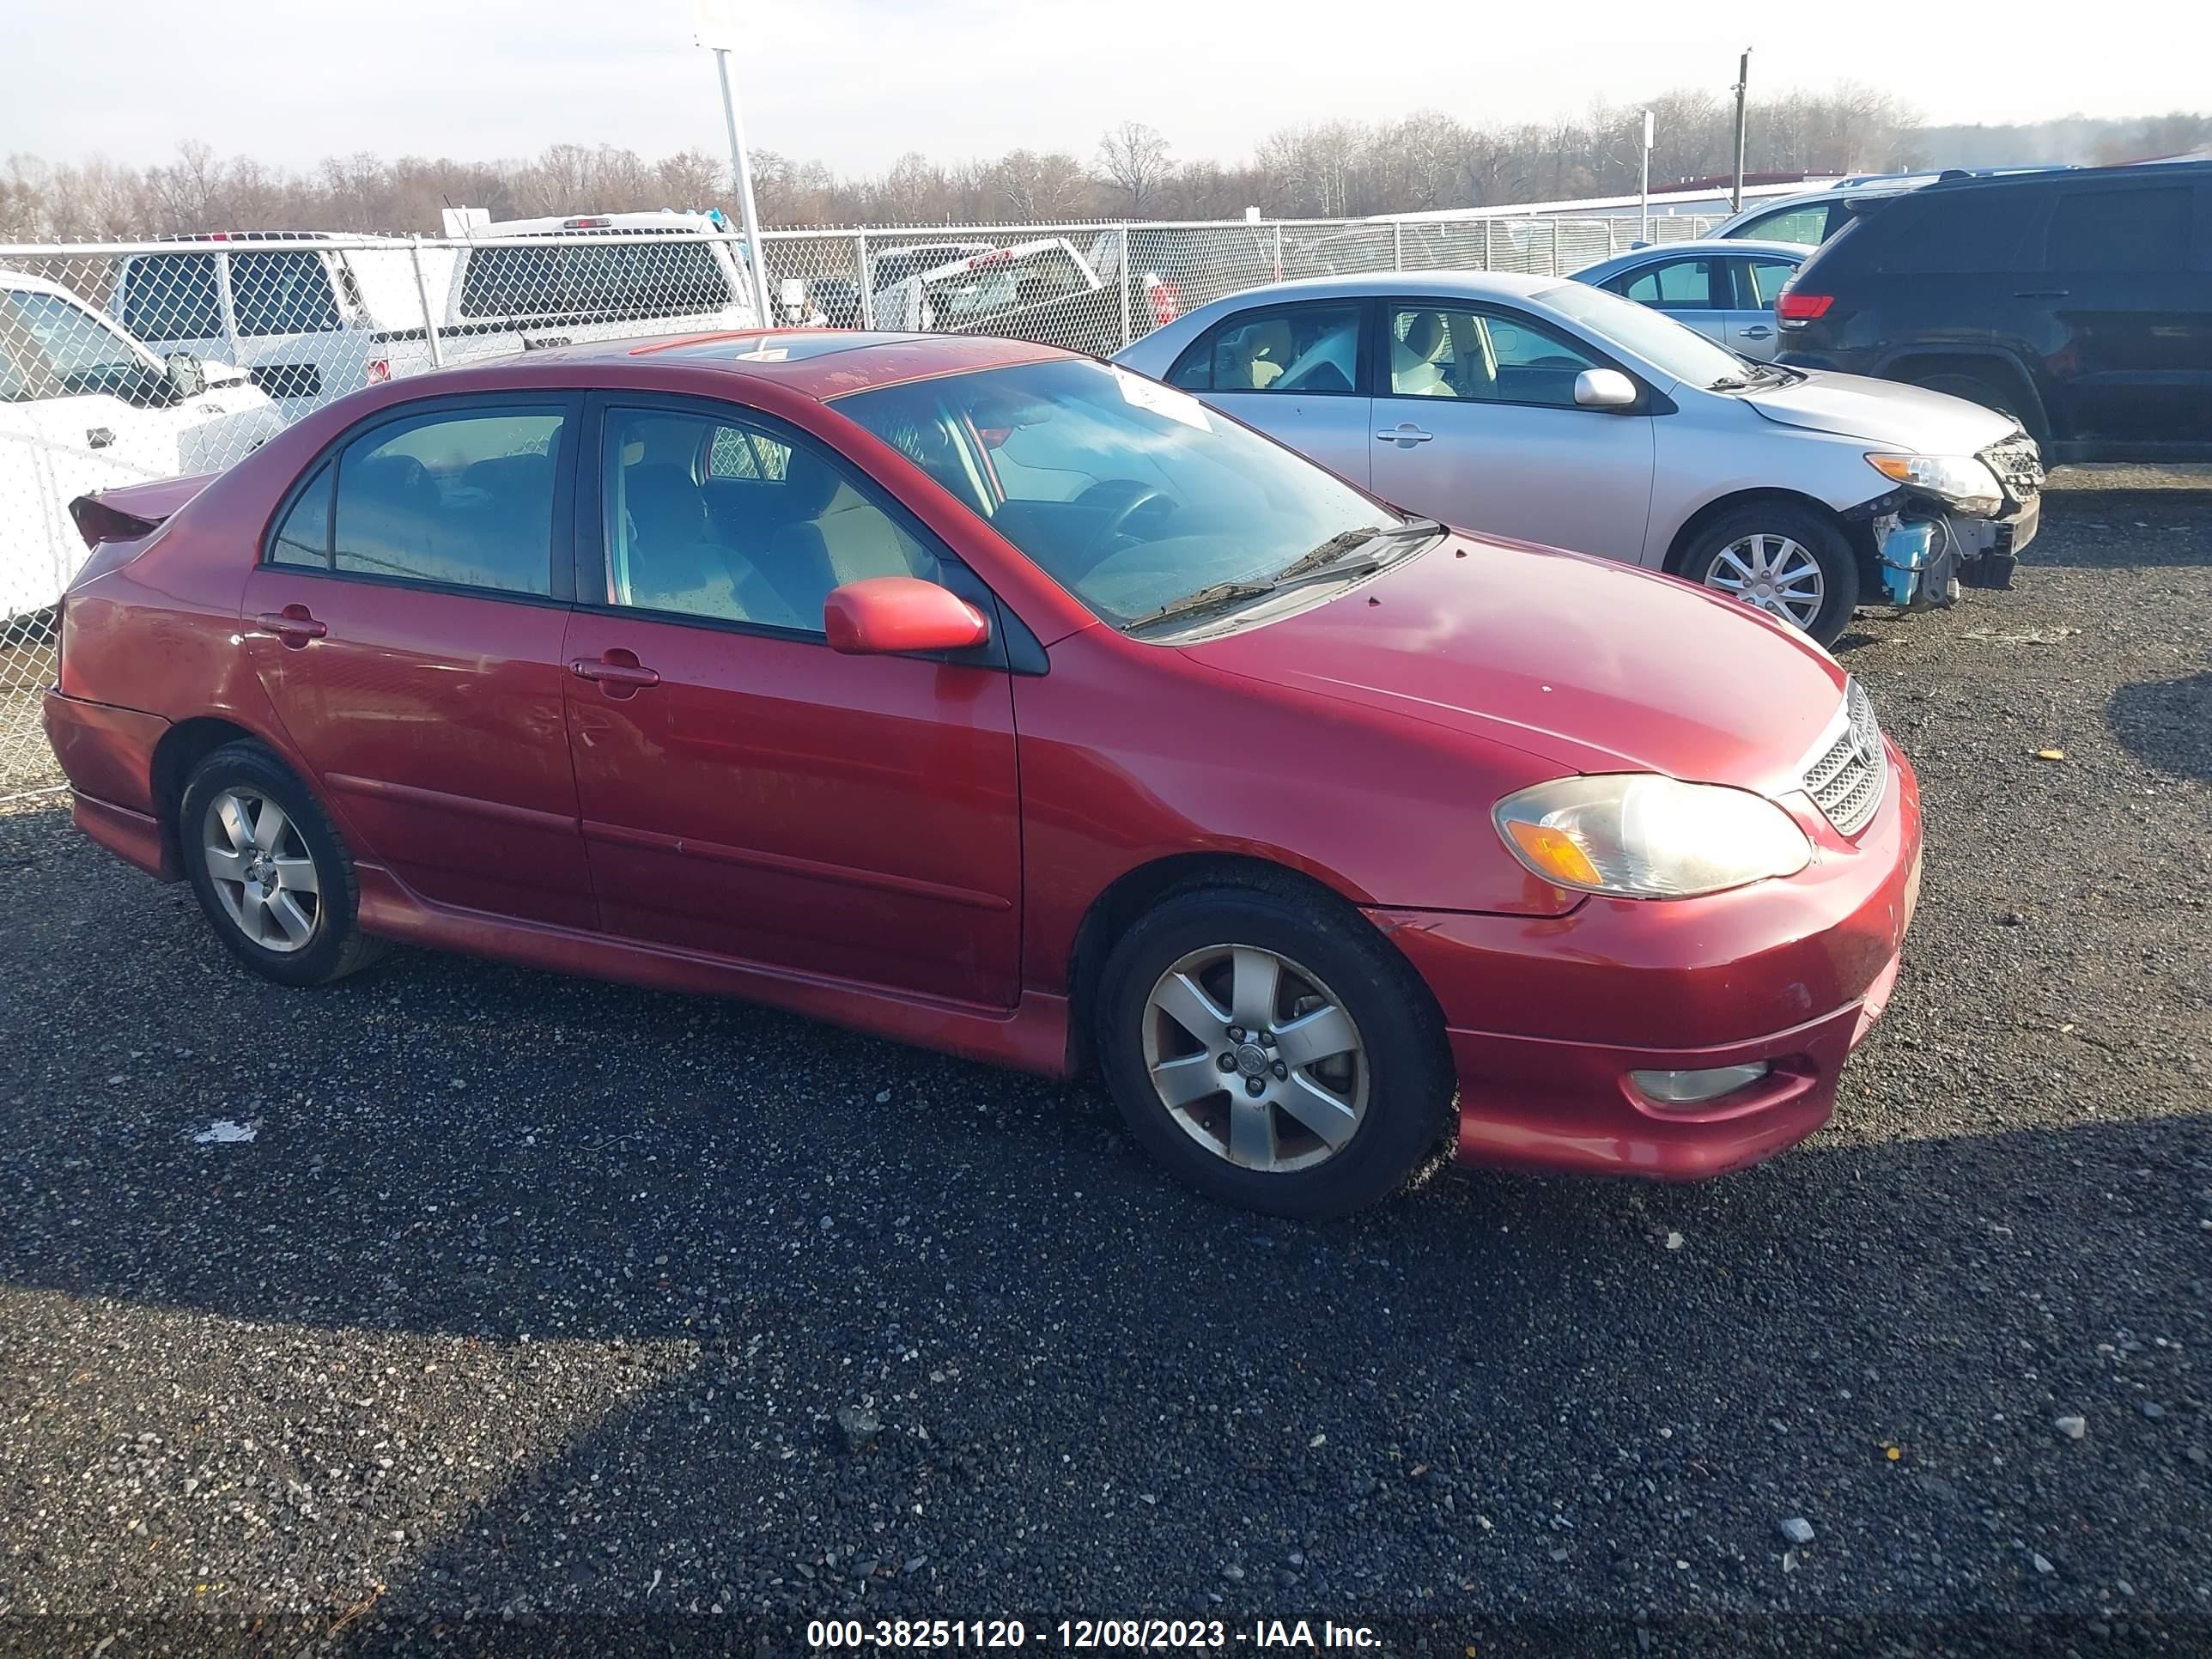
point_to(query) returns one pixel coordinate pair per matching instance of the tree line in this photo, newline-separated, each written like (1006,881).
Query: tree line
(1325,169)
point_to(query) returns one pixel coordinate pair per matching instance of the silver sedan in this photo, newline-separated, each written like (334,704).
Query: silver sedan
(1556,412)
(1725,290)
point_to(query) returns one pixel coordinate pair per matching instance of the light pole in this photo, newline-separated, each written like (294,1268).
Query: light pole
(1645,191)
(1742,82)
(717,30)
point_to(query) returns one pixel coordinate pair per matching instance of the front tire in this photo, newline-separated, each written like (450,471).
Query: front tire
(269,870)
(1265,1044)
(1789,561)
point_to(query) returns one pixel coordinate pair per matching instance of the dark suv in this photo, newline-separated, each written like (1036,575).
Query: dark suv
(2079,301)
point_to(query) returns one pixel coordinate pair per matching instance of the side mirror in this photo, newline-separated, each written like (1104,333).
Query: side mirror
(1604,388)
(187,376)
(885,615)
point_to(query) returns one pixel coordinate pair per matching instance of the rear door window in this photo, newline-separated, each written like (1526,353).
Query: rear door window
(464,499)
(2138,230)
(1936,231)
(173,296)
(282,293)
(1298,348)
(1758,280)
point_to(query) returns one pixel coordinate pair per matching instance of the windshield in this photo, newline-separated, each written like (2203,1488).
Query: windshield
(1668,346)
(1131,495)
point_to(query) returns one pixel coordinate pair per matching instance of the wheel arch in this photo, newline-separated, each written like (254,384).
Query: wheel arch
(1913,364)
(181,749)
(1137,890)
(1696,524)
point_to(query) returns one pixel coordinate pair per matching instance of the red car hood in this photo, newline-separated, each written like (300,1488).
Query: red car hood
(1593,666)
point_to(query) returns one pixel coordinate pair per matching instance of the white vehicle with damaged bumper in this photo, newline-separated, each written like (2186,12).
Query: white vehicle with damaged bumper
(1550,410)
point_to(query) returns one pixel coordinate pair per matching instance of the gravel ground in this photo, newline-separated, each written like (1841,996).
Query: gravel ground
(526,1314)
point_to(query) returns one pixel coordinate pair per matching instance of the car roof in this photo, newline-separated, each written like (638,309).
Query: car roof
(1739,247)
(816,363)
(1477,285)
(2074,177)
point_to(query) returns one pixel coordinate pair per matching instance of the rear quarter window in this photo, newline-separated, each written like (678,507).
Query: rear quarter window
(636,275)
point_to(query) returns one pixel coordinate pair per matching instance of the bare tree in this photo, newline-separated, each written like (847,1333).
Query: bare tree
(1134,160)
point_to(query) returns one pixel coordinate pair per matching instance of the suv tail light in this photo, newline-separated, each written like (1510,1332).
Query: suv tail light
(1791,307)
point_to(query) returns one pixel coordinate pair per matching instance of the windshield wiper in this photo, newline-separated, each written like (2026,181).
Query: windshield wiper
(1227,593)
(1345,540)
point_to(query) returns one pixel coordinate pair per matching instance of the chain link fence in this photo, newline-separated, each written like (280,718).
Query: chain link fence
(129,362)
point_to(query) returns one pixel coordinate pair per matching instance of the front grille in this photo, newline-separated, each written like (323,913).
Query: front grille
(2018,464)
(1847,778)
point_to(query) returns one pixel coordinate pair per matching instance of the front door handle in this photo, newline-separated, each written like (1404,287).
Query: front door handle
(618,672)
(292,624)
(2041,294)
(1404,433)
(1759,332)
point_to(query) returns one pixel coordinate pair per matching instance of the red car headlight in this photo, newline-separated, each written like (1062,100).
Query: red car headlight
(1640,834)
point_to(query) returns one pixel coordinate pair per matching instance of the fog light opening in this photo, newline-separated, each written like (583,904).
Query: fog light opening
(1695,1088)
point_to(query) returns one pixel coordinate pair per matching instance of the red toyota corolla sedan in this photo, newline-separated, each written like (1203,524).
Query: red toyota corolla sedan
(1002,701)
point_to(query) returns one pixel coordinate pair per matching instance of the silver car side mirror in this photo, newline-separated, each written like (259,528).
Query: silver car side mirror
(1604,388)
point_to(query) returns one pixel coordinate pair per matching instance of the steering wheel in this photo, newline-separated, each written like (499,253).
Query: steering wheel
(1134,498)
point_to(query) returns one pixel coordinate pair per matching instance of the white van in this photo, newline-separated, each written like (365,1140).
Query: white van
(84,408)
(528,283)
(309,314)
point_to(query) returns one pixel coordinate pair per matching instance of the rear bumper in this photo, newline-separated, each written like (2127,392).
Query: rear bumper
(1546,1018)
(107,755)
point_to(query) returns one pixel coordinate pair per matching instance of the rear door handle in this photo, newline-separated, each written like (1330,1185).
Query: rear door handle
(1405,434)
(1758,332)
(292,624)
(618,672)
(2042,293)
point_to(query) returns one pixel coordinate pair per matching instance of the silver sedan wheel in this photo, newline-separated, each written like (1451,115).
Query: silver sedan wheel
(262,871)
(1778,576)
(1254,1058)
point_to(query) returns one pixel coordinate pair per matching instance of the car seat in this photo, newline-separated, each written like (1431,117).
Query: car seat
(1413,370)
(1253,358)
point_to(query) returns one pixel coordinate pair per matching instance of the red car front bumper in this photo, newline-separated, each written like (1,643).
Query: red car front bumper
(1547,1016)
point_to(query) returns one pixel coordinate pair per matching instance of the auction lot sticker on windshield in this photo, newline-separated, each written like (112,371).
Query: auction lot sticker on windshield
(1157,399)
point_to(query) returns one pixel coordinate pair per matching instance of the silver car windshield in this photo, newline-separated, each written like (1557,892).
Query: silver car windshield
(1666,344)
(1132,496)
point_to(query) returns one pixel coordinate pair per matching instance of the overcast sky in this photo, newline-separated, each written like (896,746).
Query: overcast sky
(857,82)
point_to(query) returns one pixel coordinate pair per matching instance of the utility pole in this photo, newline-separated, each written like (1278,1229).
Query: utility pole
(1742,82)
(1645,191)
(717,30)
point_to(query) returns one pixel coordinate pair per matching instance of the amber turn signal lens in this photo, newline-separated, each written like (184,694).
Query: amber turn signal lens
(1554,851)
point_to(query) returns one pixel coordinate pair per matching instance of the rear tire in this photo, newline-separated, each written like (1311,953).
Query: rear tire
(1810,575)
(269,870)
(1337,1086)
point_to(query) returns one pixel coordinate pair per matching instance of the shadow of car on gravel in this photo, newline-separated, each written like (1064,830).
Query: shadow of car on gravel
(1095,1392)
(2166,723)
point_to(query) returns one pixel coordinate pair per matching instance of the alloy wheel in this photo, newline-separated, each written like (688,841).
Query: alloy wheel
(1254,1058)
(1776,573)
(261,870)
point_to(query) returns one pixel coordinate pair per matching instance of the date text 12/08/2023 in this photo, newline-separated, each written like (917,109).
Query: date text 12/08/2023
(1078,1635)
